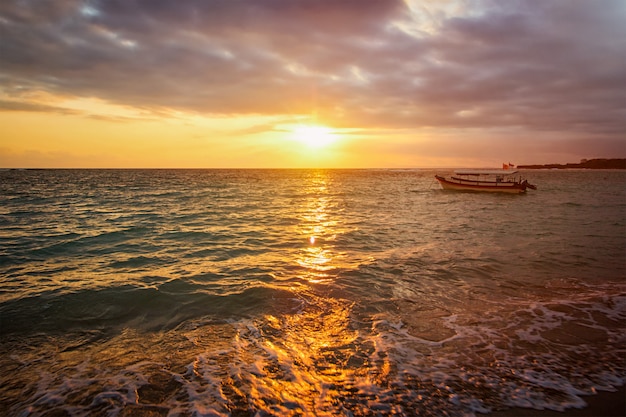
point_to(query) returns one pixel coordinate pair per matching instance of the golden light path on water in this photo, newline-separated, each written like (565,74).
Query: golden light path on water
(318,225)
(319,359)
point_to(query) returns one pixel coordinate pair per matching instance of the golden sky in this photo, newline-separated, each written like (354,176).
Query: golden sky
(310,83)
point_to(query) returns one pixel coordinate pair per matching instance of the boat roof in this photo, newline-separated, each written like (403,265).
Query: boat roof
(485,172)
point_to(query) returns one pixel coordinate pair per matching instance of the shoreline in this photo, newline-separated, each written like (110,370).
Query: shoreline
(597,163)
(602,404)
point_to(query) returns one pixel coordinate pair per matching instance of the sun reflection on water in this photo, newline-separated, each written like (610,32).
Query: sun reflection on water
(318,360)
(318,257)
(305,362)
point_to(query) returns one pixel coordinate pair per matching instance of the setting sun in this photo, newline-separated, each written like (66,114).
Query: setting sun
(314,136)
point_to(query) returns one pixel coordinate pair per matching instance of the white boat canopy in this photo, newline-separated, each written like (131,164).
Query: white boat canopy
(485,172)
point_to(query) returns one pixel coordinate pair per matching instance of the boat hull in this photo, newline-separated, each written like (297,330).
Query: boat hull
(482,186)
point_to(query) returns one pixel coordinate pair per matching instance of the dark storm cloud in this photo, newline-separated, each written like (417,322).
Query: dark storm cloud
(545,66)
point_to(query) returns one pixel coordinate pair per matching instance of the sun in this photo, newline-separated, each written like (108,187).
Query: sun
(314,136)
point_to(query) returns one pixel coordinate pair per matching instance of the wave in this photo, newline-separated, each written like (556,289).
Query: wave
(164,306)
(314,354)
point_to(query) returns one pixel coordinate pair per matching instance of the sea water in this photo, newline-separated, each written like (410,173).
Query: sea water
(307,292)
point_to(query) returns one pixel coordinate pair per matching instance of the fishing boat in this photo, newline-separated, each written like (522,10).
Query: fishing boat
(491,180)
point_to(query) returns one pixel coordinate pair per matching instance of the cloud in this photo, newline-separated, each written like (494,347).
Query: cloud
(549,67)
(9,105)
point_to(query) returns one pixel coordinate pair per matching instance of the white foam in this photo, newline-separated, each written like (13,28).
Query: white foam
(327,359)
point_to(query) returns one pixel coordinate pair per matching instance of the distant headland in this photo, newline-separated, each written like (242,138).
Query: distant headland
(584,163)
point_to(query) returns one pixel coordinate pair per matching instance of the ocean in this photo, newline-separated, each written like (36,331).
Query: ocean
(307,293)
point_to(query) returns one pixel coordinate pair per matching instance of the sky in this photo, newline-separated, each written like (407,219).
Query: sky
(310,83)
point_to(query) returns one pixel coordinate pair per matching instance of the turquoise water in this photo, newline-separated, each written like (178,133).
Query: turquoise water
(307,292)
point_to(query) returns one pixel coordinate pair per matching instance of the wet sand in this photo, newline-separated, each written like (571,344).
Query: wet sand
(604,404)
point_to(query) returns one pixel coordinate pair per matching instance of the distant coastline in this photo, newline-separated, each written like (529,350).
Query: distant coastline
(585,163)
